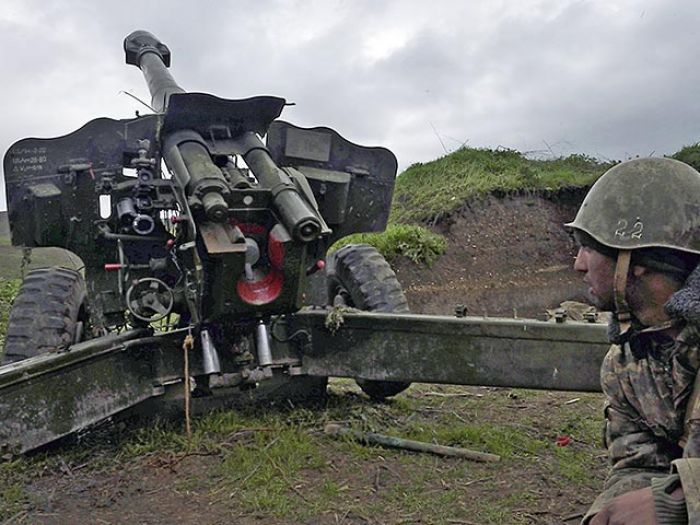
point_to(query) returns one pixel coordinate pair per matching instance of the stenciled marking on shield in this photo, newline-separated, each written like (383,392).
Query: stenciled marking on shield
(28,160)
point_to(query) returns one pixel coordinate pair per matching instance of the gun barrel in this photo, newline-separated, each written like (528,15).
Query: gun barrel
(185,151)
(149,54)
(186,154)
(297,216)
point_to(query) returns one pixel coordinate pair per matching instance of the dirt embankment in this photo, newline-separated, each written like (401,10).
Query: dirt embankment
(507,256)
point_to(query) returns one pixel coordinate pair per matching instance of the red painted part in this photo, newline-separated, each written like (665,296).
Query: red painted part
(269,288)
(170,243)
(110,267)
(249,228)
(320,264)
(275,252)
(263,291)
(275,247)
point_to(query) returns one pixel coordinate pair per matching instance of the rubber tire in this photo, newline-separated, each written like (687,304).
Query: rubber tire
(47,315)
(371,285)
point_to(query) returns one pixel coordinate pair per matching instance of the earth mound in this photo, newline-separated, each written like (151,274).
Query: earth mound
(507,256)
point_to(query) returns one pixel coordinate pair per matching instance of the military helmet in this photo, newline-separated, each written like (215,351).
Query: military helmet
(644,203)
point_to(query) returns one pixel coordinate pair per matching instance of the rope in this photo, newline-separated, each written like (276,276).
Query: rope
(26,260)
(187,345)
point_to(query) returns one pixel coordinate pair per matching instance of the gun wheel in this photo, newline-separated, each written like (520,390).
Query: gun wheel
(47,315)
(359,276)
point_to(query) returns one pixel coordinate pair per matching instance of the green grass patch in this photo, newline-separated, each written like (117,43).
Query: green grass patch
(13,497)
(8,291)
(505,510)
(583,430)
(278,464)
(414,242)
(573,464)
(507,442)
(689,154)
(263,472)
(260,458)
(16,474)
(412,498)
(428,191)
(11,260)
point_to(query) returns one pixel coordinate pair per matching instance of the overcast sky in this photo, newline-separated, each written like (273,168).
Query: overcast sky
(608,78)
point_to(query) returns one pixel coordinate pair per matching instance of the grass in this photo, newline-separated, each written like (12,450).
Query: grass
(262,471)
(11,256)
(427,192)
(279,464)
(507,442)
(8,290)
(13,495)
(689,154)
(414,242)
(11,259)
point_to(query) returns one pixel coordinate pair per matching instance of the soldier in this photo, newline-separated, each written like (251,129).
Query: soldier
(638,232)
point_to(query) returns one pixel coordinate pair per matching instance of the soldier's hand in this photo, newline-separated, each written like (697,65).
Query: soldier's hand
(632,508)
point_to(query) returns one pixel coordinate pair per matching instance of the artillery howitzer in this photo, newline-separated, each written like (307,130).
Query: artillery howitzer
(203,268)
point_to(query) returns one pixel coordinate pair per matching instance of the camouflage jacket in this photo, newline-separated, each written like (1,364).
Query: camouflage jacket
(689,472)
(647,381)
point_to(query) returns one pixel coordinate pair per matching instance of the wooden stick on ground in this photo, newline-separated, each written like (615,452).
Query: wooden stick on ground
(371,438)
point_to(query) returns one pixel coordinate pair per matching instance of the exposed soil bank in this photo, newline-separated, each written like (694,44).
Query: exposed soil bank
(506,256)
